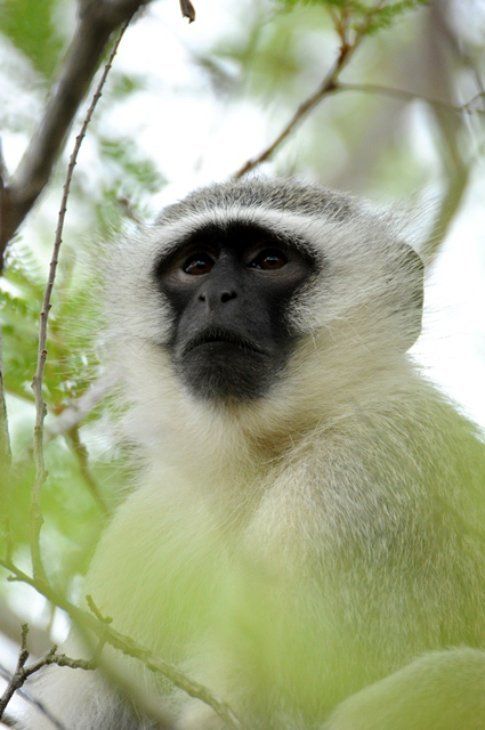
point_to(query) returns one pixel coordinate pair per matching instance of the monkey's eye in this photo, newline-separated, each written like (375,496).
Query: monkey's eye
(198,263)
(268,259)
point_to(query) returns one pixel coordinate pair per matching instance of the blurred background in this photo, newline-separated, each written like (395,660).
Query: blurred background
(189,104)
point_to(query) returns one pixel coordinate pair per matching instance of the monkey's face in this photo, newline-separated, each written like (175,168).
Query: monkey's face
(229,289)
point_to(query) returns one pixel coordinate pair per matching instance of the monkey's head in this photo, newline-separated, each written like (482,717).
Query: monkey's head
(244,289)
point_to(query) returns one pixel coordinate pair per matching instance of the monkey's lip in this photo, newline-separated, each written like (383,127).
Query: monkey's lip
(217,335)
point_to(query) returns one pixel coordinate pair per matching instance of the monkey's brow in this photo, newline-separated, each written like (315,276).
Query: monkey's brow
(236,233)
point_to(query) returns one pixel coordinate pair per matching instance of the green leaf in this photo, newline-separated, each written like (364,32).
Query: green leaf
(29,25)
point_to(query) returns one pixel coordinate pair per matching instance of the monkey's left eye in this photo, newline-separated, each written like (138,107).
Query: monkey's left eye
(197,264)
(268,259)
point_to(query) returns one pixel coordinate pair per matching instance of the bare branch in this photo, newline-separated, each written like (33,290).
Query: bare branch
(77,410)
(467,108)
(456,166)
(350,40)
(18,678)
(329,85)
(5,451)
(21,692)
(326,88)
(101,627)
(40,407)
(3,170)
(97,21)
(81,454)
(23,672)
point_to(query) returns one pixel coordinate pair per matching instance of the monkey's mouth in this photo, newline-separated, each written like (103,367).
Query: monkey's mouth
(218,336)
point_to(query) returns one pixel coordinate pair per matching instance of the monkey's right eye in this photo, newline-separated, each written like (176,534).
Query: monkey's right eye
(197,264)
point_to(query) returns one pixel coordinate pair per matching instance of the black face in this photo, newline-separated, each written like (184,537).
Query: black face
(229,290)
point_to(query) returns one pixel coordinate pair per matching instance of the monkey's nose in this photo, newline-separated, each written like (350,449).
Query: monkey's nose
(212,297)
(226,296)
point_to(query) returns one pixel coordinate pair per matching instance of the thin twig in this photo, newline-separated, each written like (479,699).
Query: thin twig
(5,451)
(23,672)
(77,410)
(350,40)
(104,631)
(328,86)
(21,692)
(40,407)
(405,95)
(456,166)
(469,106)
(81,454)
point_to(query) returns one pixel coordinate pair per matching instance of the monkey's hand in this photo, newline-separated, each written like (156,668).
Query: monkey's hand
(442,690)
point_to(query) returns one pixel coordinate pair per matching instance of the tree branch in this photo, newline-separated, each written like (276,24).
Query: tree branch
(5,453)
(97,21)
(350,40)
(403,94)
(40,407)
(327,87)
(456,165)
(77,410)
(31,700)
(23,672)
(81,454)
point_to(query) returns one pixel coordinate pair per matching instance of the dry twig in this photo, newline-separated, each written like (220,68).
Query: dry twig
(77,410)
(5,453)
(23,672)
(81,454)
(405,95)
(349,43)
(456,166)
(21,692)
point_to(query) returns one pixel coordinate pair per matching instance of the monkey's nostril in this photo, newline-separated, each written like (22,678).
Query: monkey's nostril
(201,297)
(227,296)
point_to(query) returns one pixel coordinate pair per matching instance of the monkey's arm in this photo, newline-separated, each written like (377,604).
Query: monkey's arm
(442,690)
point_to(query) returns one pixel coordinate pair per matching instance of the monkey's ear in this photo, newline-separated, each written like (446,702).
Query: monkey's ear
(410,292)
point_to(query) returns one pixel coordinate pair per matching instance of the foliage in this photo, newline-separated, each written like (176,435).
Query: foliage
(371,15)
(29,24)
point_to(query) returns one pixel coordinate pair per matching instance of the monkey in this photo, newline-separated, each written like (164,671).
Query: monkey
(305,533)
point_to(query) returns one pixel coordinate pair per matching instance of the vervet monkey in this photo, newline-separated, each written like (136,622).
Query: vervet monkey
(305,538)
